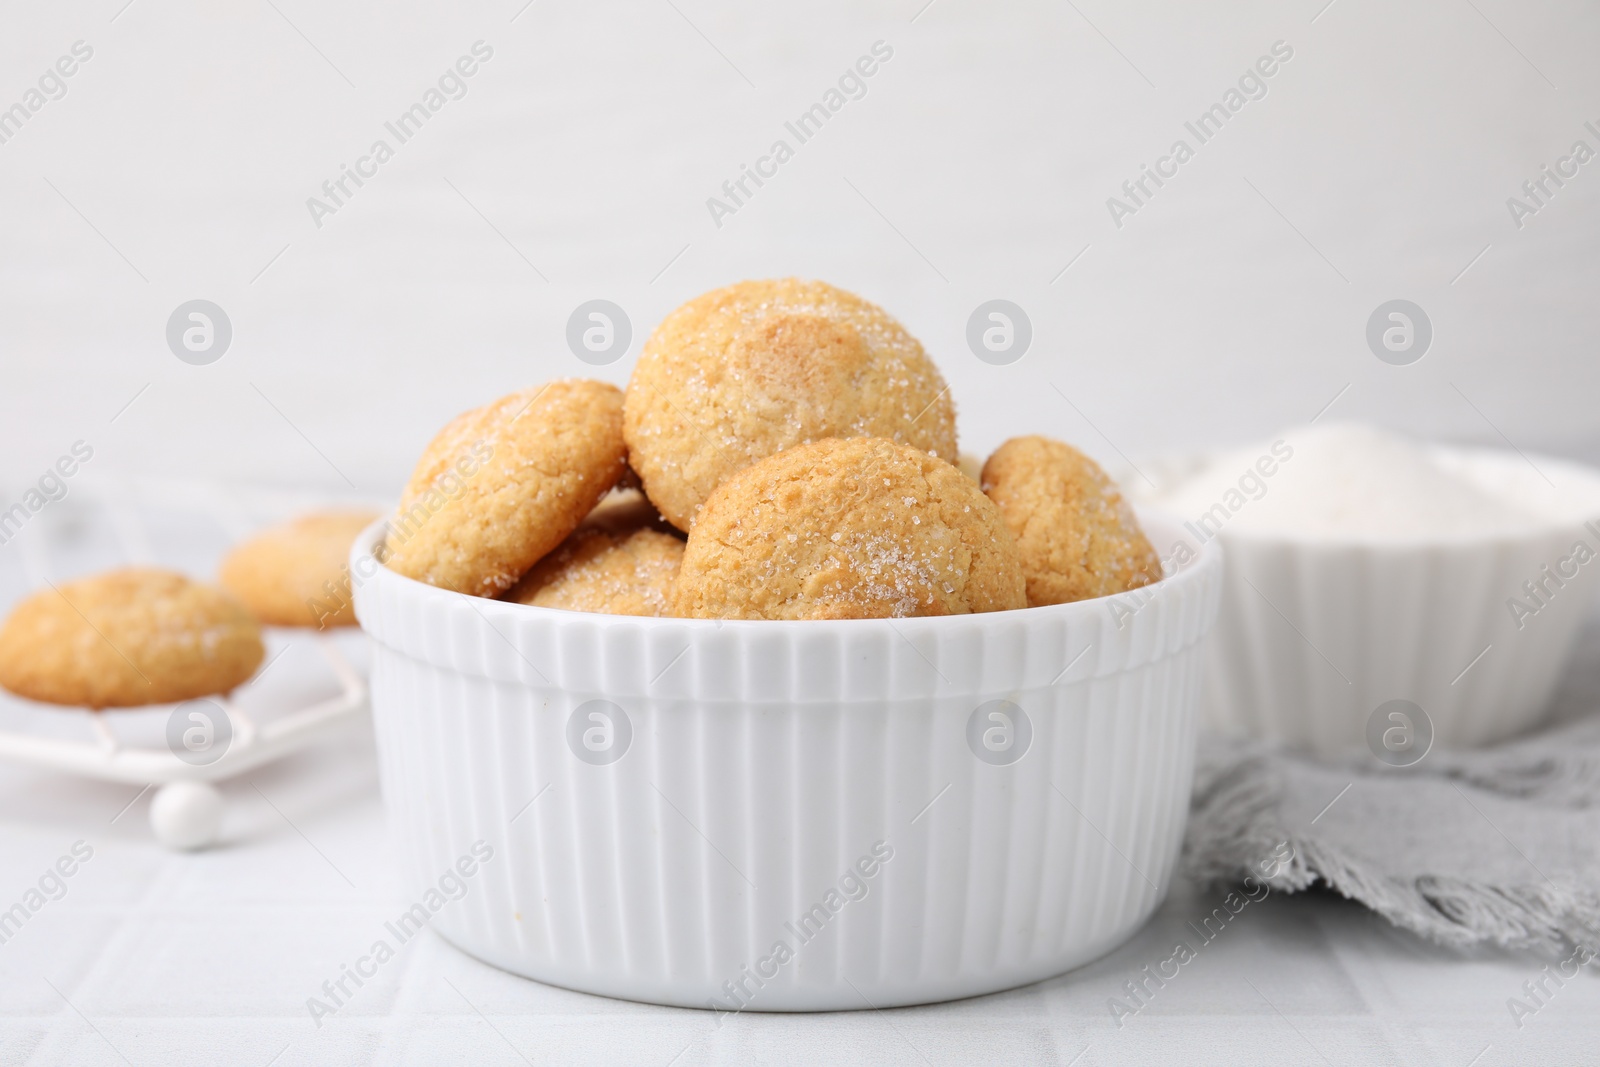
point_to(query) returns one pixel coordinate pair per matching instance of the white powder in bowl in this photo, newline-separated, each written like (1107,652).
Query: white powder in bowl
(1348,481)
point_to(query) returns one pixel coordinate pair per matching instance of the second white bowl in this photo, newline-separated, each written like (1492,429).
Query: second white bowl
(1322,643)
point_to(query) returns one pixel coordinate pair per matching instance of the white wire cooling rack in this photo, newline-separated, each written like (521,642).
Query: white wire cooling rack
(188,530)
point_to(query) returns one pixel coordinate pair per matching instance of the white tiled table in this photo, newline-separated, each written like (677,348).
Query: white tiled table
(210,958)
(156,958)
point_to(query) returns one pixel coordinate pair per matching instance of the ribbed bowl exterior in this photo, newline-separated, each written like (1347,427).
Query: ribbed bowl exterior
(798,821)
(1312,639)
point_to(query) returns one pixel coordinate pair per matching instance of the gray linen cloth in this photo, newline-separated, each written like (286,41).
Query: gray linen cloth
(1498,845)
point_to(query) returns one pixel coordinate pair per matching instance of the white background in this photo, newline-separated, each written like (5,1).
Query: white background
(978,165)
(1384,153)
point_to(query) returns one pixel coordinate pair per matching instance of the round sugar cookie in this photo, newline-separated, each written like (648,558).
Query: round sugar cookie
(609,573)
(622,560)
(502,485)
(296,574)
(1077,536)
(744,372)
(126,638)
(848,528)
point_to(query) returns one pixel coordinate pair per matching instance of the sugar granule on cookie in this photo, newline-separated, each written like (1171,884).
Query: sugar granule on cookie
(295,574)
(744,372)
(848,528)
(1077,536)
(502,485)
(623,560)
(127,638)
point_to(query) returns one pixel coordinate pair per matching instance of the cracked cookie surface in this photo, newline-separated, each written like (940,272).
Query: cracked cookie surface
(295,574)
(848,528)
(747,371)
(126,638)
(1077,536)
(502,485)
(622,560)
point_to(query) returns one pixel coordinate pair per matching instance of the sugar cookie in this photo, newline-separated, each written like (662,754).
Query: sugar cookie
(502,485)
(295,574)
(848,528)
(128,637)
(623,560)
(744,372)
(1077,536)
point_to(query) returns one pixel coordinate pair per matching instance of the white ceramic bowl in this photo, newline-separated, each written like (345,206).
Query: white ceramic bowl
(804,784)
(1316,636)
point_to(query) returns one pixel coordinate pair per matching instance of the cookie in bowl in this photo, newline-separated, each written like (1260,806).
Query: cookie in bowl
(127,638)
(622,560)
(848,528)
(744,372)
(1076,535)
(502,485)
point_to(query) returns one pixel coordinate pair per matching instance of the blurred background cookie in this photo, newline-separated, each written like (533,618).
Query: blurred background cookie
(848,528)
(297,574)
(1077,536)
(126,638)
(622,560)
(741,373)
(502,485)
